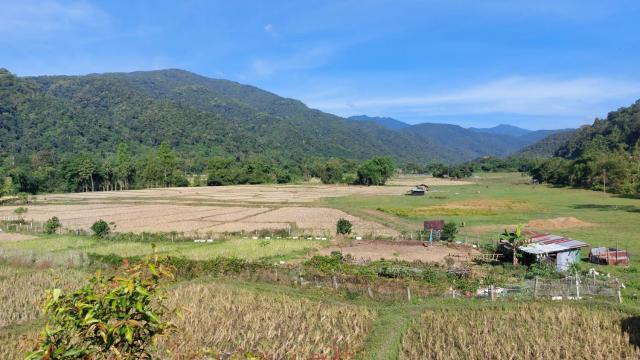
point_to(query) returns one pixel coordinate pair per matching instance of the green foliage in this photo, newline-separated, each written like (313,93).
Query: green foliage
(343,226)
(546,147)
(116,317)
(20,210)
(457,172)
(7,188)
(604,156)
(542,269)
(100,228)
(375,171)
(52,225)
(332,172)
(449,231)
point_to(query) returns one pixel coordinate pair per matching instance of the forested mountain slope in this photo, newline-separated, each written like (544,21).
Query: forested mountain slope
(603,156)
(204,117)
(548,146)
(201,117)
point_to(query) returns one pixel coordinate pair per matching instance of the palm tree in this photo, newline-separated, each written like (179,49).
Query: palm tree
(516,239)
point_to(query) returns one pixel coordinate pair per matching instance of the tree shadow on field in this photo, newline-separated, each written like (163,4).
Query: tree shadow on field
(602,207)
(631,326)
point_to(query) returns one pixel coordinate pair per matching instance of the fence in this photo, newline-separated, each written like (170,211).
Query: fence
(575,287)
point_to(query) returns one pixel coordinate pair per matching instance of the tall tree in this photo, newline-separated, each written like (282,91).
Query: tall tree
(166,162)
(124,166)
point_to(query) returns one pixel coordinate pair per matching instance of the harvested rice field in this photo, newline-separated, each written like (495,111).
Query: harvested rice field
(529,331)
(224,322)
(248,194)
(193,219)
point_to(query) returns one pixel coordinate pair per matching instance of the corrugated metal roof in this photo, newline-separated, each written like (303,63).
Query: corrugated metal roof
(549,243)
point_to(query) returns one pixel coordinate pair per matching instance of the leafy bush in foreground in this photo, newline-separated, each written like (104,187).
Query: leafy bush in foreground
(110,318)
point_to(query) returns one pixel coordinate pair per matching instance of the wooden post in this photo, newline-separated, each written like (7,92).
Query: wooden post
(619,293)
(300,279)
(277,275)
(535,288)
(335,282)
(492,292)
(577,286)
(370,292)
(408,293)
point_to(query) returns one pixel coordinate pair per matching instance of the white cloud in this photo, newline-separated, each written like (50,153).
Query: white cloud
(38,18)
(304,59)
(515,95)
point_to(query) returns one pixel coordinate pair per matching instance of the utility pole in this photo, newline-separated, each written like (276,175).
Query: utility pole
(604,182)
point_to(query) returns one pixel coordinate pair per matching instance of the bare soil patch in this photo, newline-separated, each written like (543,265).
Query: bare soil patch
(377,250)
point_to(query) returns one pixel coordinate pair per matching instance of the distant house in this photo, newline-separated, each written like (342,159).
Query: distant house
(435,225)
(609,256)
(559,250)
(419,190)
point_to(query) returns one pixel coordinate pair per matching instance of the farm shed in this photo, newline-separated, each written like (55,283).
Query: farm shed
(435,225)
(609,256)
(416,191)
(419,190)
(559,250)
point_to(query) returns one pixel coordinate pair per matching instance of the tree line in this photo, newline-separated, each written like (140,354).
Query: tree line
(44,172)
(467,169)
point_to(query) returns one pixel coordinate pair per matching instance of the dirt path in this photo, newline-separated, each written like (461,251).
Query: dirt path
(383,343)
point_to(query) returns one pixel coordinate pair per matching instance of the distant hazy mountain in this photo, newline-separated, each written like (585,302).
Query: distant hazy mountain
(503,129)
(466,143)
(501,140)
(389,123)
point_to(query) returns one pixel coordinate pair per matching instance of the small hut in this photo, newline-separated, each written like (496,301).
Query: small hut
(559,250)
(416,191)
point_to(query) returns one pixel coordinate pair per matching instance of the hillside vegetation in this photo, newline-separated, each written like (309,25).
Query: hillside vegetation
(199,117)
(603,156)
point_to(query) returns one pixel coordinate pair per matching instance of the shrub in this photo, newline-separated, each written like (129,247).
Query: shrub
(52,225)
(119,315)
(21,210)
(100,228)
(449,231)
(343,226)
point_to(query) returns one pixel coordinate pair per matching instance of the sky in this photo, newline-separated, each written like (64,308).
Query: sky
(534,64)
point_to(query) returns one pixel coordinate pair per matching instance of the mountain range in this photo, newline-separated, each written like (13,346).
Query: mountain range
(470,143)
(201,117)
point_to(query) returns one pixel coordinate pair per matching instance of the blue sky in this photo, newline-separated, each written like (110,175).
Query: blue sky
(534,64)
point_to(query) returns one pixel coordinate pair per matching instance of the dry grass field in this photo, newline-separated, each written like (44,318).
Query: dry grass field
(529,331)
(21,303)
(223,322)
